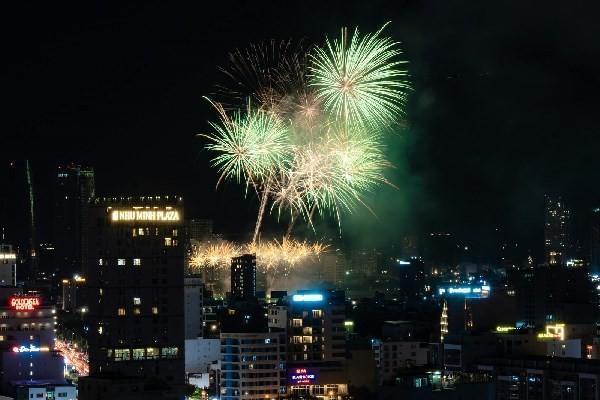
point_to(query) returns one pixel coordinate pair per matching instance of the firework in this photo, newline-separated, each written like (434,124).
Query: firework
(270,255)
(309,141)
(360,82)
(251,145)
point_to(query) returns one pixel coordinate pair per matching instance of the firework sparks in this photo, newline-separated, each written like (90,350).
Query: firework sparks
(360,82)
(272,256)
(312,145)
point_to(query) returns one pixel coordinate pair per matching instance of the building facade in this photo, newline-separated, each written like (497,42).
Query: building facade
(27,340)
(317,344)
(134,289)
(557,224)
(74,188)
(8,265)
(252,366)
(243,277)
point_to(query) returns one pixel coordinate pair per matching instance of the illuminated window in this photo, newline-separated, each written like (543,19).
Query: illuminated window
(296,322)
(122,355)
(2,338)
(138,354)
(306,339)
(154,310)
(121,261)
(137,301)
(307,330)
(297,339)
(137,261)
(174,233)
(168,242)
(100,291)
(317,313)
(100,330)
(136,311)
(169,352)
(152,353)
(100,261)
(140,231)
(121,312)
(109,353)
(134,232)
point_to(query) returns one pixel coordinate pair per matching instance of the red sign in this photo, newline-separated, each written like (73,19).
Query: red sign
(24,303)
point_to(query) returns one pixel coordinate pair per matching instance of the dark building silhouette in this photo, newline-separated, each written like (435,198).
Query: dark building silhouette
(73,190)
(557,225)
(134,291)
(595,240)
(553,294)
(243,277)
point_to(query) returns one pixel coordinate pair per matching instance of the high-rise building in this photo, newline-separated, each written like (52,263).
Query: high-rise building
(27,341)
(317,345)
(8,265)
(199,229)
(134,290)
(243,277)
(73,191)
(595,240)
(557,223)
(71,289)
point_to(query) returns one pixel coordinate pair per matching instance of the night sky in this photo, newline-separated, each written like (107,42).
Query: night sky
(504,106)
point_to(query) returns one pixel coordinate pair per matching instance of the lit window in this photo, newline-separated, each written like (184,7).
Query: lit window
(136,311)
(154,310)
(121,261)
(100,330)
(100,291)
(137,301)
(152,353)
(122,355)
(296,322)
(137,261)
(168,241)
(100,261)
(140,231)
(138,354)
(169,352)
(2,338)
(121,312)
(317,313)
(174,232)
(134,232)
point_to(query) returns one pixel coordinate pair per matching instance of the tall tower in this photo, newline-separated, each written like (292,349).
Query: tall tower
(135,278)
(595,239)
(243,277)
(73,191)
(557,224)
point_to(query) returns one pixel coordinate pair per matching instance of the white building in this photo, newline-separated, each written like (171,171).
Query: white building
(45,390)
(252,366)
(200,354)
(277,317)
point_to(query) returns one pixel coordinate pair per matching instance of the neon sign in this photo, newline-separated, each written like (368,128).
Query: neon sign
(556,331)
(504,329)
(307,297)
(24,303)
(471,292)
(167,215)
(302,376)
(31,349)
